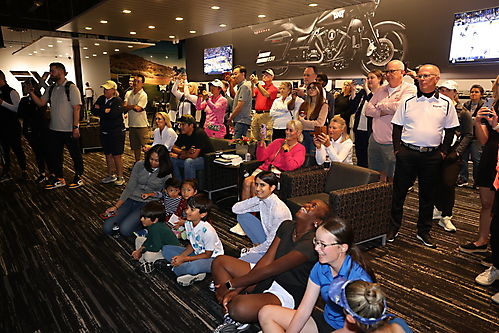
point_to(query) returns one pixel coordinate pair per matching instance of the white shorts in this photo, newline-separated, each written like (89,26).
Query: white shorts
(287,301)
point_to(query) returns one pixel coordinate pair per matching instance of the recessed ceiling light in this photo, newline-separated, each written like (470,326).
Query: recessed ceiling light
(50,45)
(313,4)
(166,57)
(103,21)
(151,56)
(215,7)
(130,46)
(60,55)
(59,41)
(261,16)
(86,57)
(223,25)
(95,55)
(42,49)
(35,51)
(32,54)
(105,52)
(88,28)
(151,27)
(171,36)
(192,31)
(67,53)
(127,11)
(96,44)
(117,50)
(85,48)
(179,18)
(133,33)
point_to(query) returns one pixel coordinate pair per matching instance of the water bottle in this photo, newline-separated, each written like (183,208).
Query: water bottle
(327,163)
(247,157)
(116,230)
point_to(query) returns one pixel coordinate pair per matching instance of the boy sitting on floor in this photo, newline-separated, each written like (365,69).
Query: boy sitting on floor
(148,249)
(170,195)
(192,263)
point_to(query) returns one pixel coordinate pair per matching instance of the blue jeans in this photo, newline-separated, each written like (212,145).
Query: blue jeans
(190,166)
(308,142)
(128,218)
(475,150)
(240,129)
(191,267)
(252,227)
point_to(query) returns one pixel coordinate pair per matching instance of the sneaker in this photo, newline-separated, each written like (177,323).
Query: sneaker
(426,239)
(488,276)
(487,261)
(229,325)
(25,176)
(147,267)
(462,183)
(391,235)
(4,176)
(108,179)
(57,182)
(472,248)
(212,286)
(436,213)
(495,298)
(244,251)
(141,233)
(41,179)
(447,224)
(120,181)
(77,182)
(162,265)
(237,230)
(188,279)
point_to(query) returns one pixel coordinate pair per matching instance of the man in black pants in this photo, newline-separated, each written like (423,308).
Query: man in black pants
(65,103)
(419,125)
(10,129)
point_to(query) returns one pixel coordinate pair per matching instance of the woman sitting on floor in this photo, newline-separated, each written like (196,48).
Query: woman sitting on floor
(279,277)
(147,176)
(337,145)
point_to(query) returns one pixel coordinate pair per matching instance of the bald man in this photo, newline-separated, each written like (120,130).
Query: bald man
(423,129)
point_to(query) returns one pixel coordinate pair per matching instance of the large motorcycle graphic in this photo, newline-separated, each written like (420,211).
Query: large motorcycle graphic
(335,39)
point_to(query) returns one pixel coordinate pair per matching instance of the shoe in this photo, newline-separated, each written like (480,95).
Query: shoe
(57,182)
(447,224)
(212,286)
(77,182)
(244,251)
(237,230)
(472,248)
(229,325)
(426,239)
(436,213)
(391,235)
(108,179)
(162,265)
(4,176)
(147,267)
(487,261)
(41,179)
(488,276)
(120,181)
(495,298)
(187,280)
(462,183)
(25,176)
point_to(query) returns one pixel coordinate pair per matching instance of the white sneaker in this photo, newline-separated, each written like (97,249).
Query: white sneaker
(108,179)
(187,280)
(237,230)
(119,181)
(447,224)
(436,213)
(495,298)
(488,276)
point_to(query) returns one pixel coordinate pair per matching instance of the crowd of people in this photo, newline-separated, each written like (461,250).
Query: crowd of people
(402,130)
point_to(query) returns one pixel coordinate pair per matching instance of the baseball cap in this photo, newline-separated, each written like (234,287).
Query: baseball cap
(217,83)
(268,71)
(187,119)
(449,84)
(109,84)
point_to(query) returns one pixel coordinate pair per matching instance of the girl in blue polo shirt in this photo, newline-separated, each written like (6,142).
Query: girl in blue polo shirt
(339,257)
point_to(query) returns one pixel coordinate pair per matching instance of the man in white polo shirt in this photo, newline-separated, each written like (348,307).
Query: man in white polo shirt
(423,129)
(135,104)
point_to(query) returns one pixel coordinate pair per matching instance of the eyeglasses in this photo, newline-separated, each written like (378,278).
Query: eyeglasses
(392,71)
(425,76)
(322,245)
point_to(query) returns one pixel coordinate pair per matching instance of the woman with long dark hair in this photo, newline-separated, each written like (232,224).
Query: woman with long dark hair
(312,113)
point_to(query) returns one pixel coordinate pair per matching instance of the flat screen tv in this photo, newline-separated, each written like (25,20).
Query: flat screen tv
(218,60)
(474,37)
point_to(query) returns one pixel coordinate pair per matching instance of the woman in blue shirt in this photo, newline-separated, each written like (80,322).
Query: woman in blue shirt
(339,257)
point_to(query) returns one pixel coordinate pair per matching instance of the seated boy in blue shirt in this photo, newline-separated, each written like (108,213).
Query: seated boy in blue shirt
(148,249)
(191,263)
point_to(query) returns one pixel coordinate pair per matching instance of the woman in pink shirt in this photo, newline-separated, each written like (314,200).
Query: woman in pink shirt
(214,106)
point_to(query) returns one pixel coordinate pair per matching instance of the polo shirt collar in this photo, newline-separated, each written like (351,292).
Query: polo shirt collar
(241,83)
(428,95)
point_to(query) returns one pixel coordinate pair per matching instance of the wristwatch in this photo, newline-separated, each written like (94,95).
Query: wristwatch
(76,127)
(229,286)
(495,127)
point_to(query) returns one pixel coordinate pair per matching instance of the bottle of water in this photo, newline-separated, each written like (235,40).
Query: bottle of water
(116,230)
(327,163)
(247,157)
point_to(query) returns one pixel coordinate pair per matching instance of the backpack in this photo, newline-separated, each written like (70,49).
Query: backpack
(66,86)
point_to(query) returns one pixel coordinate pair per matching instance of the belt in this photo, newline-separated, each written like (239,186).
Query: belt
(260,112)
(418,148)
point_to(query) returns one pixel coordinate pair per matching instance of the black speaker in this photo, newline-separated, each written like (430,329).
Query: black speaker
(2,45)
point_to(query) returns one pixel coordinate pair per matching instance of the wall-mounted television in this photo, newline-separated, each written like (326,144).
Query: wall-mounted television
(218,60)
(474,37)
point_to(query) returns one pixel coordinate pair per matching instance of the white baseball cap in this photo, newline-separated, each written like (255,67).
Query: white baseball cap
(109,84)
(449,84)
(268,71)
(217,83)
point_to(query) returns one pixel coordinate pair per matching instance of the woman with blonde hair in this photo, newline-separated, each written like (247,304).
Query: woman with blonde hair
(312,113)
(283,110)
(163,134)
(337,145)
(342,103)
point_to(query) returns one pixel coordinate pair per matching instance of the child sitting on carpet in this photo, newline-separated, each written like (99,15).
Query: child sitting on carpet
(170,195)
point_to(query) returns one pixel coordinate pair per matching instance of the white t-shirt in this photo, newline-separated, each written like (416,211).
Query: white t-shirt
(280,113)
(203,237)
(167,137)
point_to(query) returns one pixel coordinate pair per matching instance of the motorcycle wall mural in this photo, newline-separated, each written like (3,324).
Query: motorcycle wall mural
(333,39)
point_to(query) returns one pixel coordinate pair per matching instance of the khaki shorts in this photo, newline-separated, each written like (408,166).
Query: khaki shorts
(139,136)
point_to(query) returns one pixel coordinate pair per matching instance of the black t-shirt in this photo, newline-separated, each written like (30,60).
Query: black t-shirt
(294,280)
(199,139)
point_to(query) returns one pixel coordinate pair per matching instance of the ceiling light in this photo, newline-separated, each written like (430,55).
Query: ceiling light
(171,36)
(42,49)
(85,48)
(192,31)
(32,54)
(50,45)
(67,53)
(133,33)
(86,57)
(151,56)
(166,57)
(117,50)
(127,11)
(35,51)
(95,55)
(130,46)
(60,55)
(313,4)
(223,25)
(215,7)
(151,27)
(105,52)
(88,28)
(103,21)
(261,16)
(179,18)
(59,41)
(96,44)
